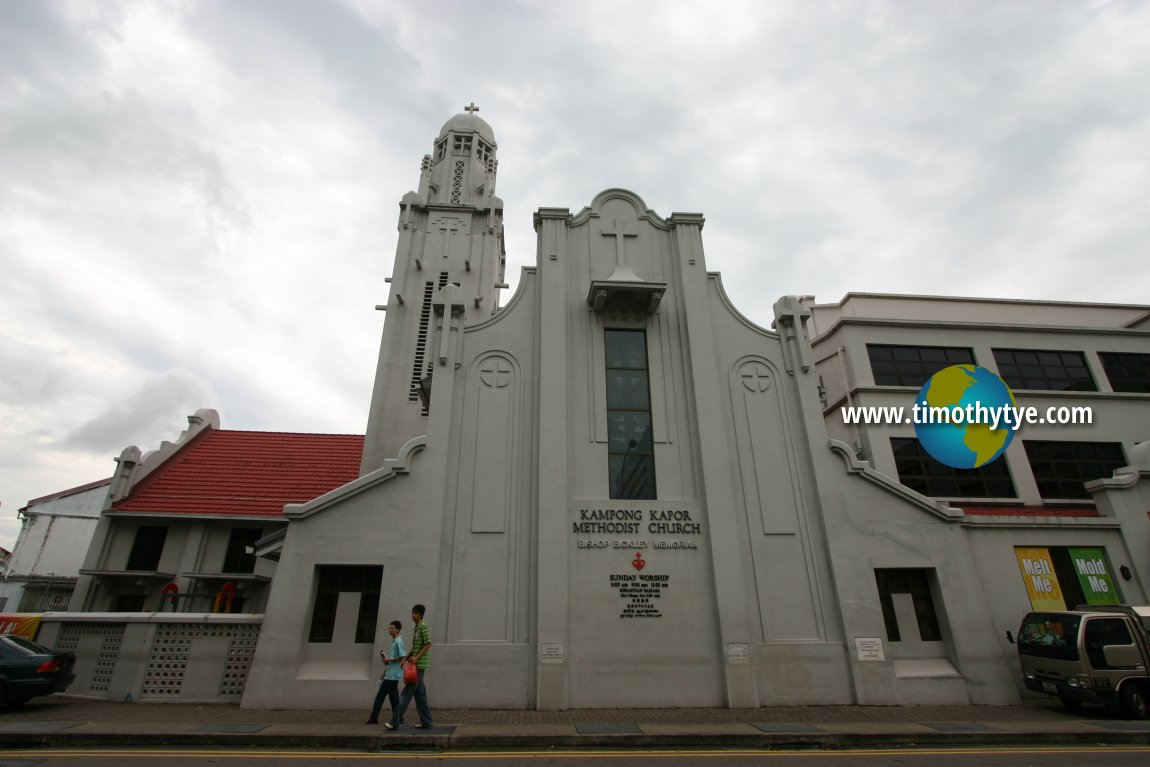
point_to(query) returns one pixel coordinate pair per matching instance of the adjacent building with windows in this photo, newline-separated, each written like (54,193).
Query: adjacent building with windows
(1073,362)
(1046,509)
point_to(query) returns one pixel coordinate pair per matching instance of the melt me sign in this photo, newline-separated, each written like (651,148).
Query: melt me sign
(1041,582)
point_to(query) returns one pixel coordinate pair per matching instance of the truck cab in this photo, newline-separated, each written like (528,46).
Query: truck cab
(1094,654)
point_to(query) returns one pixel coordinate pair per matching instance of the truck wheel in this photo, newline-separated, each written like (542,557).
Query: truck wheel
(1134,701)
(1070,704)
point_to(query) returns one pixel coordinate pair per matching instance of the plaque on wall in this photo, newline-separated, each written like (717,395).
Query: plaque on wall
(738,653)
(869,648)
(551,652)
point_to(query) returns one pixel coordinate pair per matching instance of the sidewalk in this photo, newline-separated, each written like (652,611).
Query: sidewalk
(63,721)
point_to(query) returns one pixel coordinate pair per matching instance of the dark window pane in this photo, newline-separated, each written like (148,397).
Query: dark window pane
(628,390)
(237,559)
(1044,370)
(933,354)
(334,580)
(129,603)
(628,431)
(894,365)
(632,476)
(922,473)
(630,442)
(916,583)
(147,548)
(1127,372)
(1062,468)
(626,349)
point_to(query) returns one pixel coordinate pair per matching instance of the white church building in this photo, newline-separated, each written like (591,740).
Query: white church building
(618,491)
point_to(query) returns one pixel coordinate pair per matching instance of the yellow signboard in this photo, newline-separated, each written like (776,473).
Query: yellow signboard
(23,624)
(1041,582)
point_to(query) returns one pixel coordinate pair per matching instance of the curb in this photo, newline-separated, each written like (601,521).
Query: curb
(423,743)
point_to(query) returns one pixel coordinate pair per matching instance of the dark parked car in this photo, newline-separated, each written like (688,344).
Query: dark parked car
(28,669)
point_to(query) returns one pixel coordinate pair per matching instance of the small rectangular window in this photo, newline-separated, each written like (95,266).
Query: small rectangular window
(147,548)
(916,583)
(1061,468)
(893,365)
(919,471)
(129,603)
(1044,369)
(1102,633)
(334,580)
(1127,372)
(236,558)
(630,443)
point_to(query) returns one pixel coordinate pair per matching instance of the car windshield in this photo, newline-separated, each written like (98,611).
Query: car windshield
(1050,635)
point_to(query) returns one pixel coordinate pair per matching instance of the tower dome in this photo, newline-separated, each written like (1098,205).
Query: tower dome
(468,123)
(463,162)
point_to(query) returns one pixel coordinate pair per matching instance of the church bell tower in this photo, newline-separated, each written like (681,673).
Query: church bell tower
(450,232)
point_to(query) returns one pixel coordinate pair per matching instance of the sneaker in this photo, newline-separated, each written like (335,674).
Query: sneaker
(388,726)
(423,726)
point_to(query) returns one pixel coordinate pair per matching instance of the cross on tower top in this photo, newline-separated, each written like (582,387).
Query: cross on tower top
(471,108)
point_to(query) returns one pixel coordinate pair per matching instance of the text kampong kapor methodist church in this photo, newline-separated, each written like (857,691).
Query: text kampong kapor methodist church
(614,490)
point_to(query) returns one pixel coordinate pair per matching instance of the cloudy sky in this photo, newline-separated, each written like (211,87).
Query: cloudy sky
(198,200)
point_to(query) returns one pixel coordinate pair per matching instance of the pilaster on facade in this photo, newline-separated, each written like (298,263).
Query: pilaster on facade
(552,685)
(732,596)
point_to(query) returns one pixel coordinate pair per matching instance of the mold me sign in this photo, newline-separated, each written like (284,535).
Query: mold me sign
(1094,576)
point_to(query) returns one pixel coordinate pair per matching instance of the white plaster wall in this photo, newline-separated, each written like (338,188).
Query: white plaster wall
(56,534)
(870,528)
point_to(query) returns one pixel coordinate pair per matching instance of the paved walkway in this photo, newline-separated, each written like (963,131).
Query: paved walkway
(62,720)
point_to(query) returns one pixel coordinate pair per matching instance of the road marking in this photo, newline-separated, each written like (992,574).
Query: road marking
(177,753)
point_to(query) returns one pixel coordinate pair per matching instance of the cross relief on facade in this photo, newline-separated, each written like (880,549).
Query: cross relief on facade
(756,377)
(448,227)
(620,229)
(495,373)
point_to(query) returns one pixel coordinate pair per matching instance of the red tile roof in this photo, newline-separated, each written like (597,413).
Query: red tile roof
(246,474)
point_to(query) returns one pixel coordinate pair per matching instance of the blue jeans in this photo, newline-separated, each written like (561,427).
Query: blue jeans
(419,692)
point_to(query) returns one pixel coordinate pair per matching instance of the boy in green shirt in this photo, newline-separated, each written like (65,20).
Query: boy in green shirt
(420,656)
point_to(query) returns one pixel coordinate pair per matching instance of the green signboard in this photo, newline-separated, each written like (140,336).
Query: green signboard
(1094,576)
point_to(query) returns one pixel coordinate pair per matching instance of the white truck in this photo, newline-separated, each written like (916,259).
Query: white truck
(1094,654)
